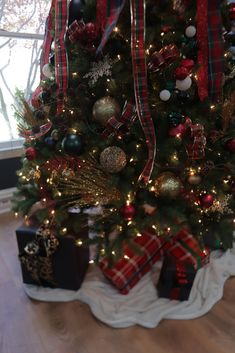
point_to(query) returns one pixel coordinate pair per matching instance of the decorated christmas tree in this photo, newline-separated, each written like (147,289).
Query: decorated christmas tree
(132,124)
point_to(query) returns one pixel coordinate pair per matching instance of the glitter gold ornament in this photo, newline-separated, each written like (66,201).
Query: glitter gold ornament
(113,159)
(104,109)
(167,184)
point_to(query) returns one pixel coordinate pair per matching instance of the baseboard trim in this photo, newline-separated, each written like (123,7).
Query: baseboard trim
(5,199)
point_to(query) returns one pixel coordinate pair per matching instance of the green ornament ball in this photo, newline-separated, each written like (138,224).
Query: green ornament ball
(72,144)
(104,109)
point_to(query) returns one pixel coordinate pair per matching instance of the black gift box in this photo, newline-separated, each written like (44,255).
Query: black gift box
(176,279)
(69,261)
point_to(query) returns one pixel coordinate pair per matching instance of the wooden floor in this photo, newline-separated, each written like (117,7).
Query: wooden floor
(28,326)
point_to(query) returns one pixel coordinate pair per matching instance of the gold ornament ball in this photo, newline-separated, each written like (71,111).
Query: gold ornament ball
(167,184)
(194,179)
(104,109)
(113,159)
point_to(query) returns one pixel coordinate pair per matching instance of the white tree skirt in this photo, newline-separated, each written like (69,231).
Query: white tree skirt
(142,305)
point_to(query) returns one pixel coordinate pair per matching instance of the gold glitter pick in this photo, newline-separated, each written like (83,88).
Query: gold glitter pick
(90,186)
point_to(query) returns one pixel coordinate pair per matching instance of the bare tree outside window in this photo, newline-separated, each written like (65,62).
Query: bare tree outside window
(21,33)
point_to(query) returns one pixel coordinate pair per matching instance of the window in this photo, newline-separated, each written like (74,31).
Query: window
(21,35)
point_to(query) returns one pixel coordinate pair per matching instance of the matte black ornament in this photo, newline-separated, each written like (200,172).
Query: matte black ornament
(75,10)
(72,144)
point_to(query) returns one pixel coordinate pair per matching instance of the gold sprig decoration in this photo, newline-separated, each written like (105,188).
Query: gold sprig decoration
(228,110)
(27,124)
(90,186)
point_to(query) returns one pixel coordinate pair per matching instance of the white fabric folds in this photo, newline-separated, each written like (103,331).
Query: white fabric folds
(142,305)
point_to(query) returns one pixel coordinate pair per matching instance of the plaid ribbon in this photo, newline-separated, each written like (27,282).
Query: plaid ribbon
(202,38)
(101,7)
(163,57)
(185,248)
(215,49)
(48,38)
(43,129)
(196,149)
(114,125)
(114,8)
(140,82)
(61,62)
(128,270)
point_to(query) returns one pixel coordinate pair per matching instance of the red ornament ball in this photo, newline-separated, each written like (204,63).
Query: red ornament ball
(231,145)
(187,63)
(181,73)
(206,201)
(178,131)
(232,12)
(31,153)
(90,32)
(128,211)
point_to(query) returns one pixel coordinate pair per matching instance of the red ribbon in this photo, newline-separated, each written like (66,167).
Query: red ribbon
(48,39)
(196,149)
(101,15)
(140,82)
(202,37)
(61,63)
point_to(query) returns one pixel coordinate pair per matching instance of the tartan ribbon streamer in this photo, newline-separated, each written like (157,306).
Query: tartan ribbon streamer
(140,82)
(48,39)
(101,7)
(114,125)
(202,38)
(215,49)
(114,8)
(163,57)
(128,270)
(61,61)
(43,129)
(196,148)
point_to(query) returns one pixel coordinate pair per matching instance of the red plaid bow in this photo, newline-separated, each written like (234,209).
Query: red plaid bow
(164,56)
(114,126)
(75,30)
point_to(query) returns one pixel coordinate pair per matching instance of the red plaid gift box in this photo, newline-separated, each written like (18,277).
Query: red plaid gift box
(184,247)
(129,269)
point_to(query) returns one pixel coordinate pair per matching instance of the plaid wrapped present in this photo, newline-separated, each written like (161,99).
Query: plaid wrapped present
(129,269)
(185,248)
(176,279)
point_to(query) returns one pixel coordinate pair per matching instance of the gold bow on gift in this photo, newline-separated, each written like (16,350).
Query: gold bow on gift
(37,256)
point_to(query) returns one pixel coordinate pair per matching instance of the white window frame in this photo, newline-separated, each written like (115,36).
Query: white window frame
(14,148)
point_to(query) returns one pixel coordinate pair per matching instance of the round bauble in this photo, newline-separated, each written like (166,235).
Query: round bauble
(188,63)
(72,144)
(167,184)
(55,135)
(184,85)
(47,70)
(31,153)
(183,97)
(165,95)
(190,31)
(75,10)
(178,131)
(181,73)
(113,159)
(206,200)
(174,118)
(104,109)
(194,179)
(230,145)
(128,211)
(50,142)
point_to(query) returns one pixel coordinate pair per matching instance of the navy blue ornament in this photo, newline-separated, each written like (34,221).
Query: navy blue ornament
(75,10)
(183,97)
(72,144)
(175,118)
(50,142)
